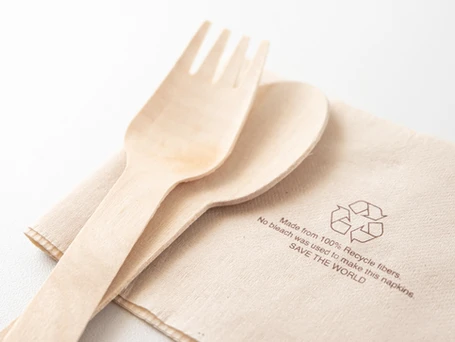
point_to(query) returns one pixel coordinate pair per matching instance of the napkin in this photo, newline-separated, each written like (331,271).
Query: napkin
(356,244)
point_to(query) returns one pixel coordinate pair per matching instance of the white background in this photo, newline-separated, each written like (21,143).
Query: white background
(72,74)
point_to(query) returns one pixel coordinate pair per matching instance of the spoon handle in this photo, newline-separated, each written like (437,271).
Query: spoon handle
(65,303)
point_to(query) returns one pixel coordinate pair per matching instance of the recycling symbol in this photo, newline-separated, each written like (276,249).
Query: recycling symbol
(370,226)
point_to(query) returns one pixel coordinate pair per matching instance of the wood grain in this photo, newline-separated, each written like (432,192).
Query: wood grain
(286,122)
(184,132)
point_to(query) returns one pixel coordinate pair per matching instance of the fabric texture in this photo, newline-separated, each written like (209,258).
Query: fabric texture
(356,244)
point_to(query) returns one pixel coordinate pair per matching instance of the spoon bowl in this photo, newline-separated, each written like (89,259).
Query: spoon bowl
(285,124)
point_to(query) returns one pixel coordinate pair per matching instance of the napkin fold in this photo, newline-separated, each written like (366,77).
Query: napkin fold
(356,244)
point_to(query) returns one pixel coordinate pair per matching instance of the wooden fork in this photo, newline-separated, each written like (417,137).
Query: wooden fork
(184,132)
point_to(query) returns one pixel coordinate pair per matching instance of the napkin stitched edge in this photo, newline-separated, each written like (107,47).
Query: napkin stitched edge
(140,312)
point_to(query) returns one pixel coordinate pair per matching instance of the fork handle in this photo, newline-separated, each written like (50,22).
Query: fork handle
(65,303)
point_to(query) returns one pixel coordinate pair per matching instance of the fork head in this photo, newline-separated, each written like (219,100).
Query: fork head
(191,123)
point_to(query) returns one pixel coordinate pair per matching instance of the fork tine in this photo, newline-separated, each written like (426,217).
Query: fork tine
(210,64)
(253,74)
(232,70)
(187,58)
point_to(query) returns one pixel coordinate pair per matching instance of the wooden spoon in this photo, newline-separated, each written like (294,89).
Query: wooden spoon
(286,122)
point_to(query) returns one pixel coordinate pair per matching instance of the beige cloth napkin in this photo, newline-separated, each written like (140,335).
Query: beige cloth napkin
(357,244)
